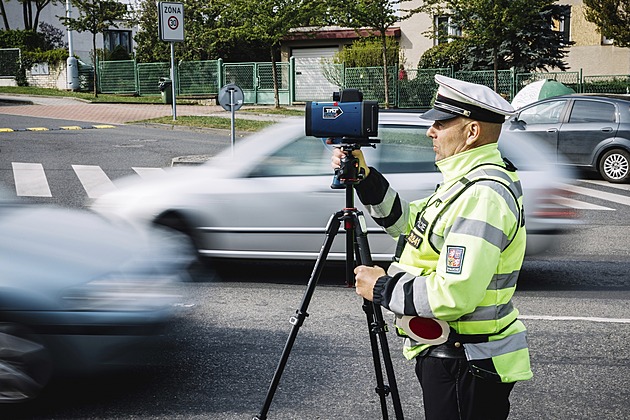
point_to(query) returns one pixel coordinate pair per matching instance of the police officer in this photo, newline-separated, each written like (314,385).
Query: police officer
(463,249)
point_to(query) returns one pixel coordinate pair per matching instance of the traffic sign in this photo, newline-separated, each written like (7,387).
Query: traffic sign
(231,97)
(171,21)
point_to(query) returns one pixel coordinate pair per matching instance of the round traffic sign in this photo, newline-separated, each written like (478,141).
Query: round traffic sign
(173,23)
(231,96)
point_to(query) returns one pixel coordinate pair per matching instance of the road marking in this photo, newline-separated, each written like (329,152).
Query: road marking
(30,180)
(615,198)
(94,180)
(66,127)
(625,187)
(579,205)
(576,318)
(147,173)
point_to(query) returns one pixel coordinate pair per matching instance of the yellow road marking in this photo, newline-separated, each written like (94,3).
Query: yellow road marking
(6,130)
(104,126)
(71,127)
(37,129)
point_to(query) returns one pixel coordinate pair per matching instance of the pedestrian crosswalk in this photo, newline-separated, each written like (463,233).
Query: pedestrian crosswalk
(30,180)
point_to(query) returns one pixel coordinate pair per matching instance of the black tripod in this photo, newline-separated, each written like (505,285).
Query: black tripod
(356,237)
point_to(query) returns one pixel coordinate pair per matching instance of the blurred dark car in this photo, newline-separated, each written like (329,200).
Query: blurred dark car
(586,131)
(272,199)
(78,293)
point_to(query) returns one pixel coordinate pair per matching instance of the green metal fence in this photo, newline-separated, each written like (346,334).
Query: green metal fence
(117,76)
(9,62)
(606,84)
(415,90)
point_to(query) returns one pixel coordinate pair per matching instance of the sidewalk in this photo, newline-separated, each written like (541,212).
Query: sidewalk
(103,113)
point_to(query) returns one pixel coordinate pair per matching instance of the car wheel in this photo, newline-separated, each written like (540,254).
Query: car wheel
(177,222)
(25,365)
(614,166)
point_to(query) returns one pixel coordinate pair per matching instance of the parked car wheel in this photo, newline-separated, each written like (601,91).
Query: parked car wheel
(614,166)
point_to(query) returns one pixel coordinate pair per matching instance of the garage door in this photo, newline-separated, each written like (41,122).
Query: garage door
(310,82)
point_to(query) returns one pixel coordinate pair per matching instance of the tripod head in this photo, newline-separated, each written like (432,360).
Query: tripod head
(349,172)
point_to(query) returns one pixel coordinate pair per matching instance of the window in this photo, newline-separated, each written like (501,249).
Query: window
(545,113)
(405,149)
(562,23)
(113,38)
(306,156)
(592,111)
(445,30)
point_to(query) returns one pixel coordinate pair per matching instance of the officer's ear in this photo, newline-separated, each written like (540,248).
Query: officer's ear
(473,131)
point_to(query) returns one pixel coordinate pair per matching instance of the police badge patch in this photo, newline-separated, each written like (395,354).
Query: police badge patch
(454,259)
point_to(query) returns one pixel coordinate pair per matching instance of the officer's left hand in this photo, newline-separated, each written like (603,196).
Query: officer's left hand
(366,278)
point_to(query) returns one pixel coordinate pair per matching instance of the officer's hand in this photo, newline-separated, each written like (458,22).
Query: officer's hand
(338,154)
(366,278)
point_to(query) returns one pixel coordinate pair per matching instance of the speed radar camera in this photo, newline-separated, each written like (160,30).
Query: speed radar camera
(348,117)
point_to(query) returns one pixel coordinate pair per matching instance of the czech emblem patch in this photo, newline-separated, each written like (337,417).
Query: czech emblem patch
(454,259)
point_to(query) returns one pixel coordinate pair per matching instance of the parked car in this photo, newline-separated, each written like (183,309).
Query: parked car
(79,294)
(273,199)
(586,131)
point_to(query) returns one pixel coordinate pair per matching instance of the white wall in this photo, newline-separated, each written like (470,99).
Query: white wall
(82,42)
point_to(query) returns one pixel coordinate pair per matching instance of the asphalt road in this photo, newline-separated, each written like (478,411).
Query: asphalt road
(219,356)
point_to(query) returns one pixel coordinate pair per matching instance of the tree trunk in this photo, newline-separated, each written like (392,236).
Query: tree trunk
(4,16)
(274,74)
(94,64)
(385,78)
(496,69)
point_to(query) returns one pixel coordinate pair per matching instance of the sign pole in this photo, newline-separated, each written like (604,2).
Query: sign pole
(232,110)
(173,80)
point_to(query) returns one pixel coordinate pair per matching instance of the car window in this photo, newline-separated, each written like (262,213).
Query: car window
(545,113)
(405,149)
(592,111)
(303,157)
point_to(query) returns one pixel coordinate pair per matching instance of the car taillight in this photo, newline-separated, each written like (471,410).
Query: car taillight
(555,203)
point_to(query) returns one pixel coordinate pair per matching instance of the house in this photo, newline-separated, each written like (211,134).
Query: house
(81,42)
(591,53)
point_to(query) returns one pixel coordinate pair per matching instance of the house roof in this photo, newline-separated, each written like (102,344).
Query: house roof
(335,32)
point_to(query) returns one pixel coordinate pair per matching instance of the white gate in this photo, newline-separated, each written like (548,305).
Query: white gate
(310,82)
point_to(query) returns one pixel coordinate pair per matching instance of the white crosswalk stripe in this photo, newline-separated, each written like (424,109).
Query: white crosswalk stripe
(94,180)
(146,173)
(30,180)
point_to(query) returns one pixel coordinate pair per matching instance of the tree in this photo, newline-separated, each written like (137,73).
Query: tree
(3,12)
(95,16)
(204,37)
(378,16)
(507,33)
(269,22)
(612,18)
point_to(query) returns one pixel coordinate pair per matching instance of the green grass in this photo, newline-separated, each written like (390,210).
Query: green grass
(212,122)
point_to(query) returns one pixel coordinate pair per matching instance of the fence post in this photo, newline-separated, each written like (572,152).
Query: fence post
(136,77)
(580,82)
(291,80)
(220,82)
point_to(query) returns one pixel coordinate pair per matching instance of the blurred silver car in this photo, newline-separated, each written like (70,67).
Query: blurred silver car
(78,293)
(272,199)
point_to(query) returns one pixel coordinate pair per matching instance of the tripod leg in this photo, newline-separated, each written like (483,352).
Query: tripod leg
(300,314)
(377,327)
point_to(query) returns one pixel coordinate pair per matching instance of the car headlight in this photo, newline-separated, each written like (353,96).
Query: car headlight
(122,294)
